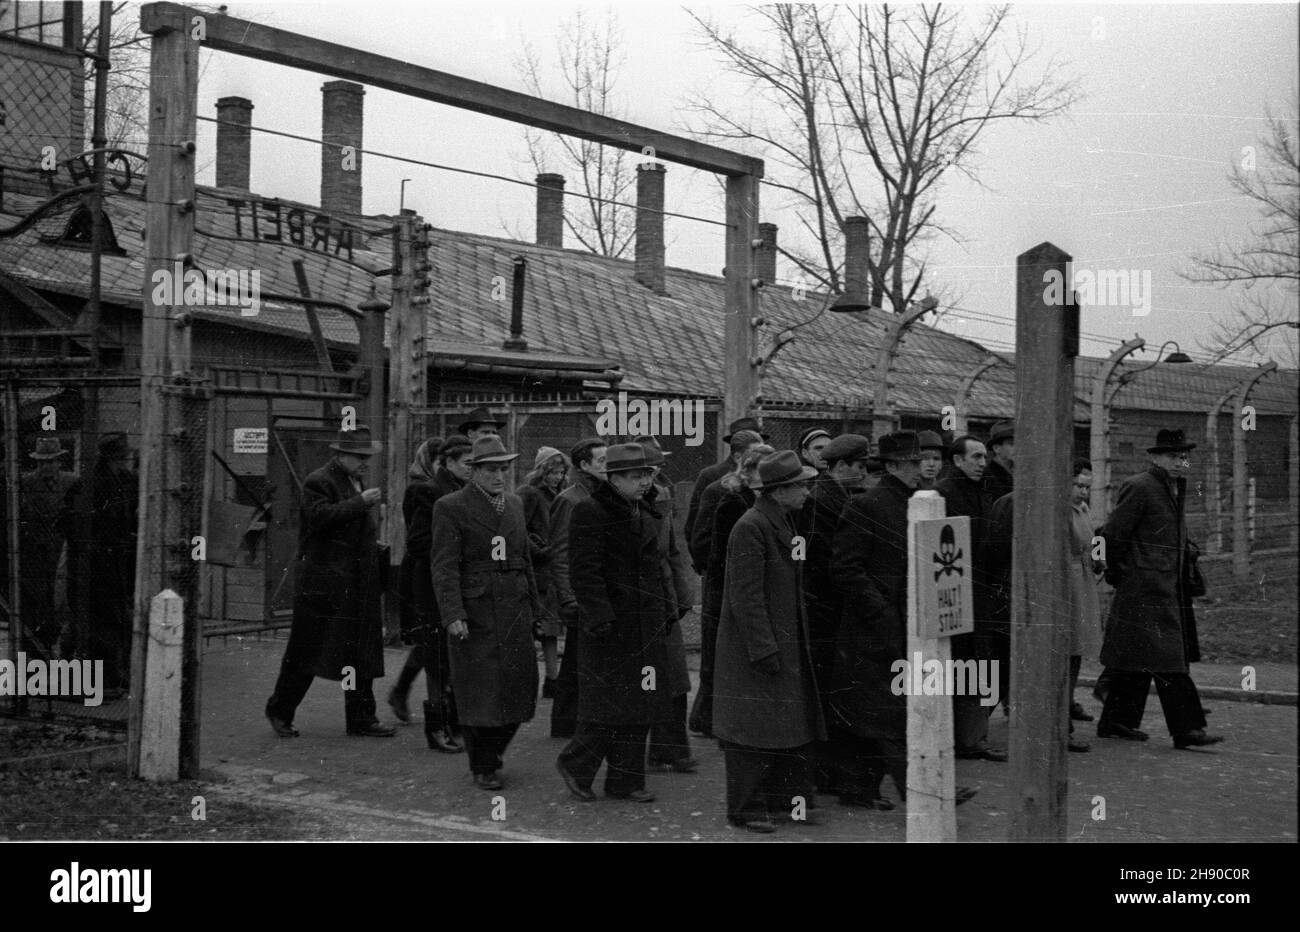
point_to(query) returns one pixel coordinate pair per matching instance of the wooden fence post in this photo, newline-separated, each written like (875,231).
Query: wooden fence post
(160,718)
(931,813)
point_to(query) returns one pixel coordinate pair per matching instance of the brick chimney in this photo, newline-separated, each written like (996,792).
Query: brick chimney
(341,112)
(765,255)
(550,210)
(857,275)
(234,142)
(650,225)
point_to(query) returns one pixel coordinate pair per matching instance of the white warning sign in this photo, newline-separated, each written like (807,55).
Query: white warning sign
(250,439)
(943,573)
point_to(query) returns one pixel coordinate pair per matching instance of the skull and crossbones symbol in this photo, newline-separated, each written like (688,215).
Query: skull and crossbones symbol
(948,554)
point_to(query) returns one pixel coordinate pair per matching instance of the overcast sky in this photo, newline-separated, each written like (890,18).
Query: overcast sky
(1134,177)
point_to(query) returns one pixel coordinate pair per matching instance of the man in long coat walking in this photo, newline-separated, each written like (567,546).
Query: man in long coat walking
(711,474)
(337,628)
(42,495)
(766,711)
(1146,556)
(487,597)
(624,607)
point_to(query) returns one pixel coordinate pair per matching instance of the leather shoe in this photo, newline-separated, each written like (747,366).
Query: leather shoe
(1075,744)
(488,781)
(372,730)
(1113,730)
(400,709)
(636,796)
(583,793)
(681,765)
(440,739)
(983,752)
(1079,714)
(282,728)
(1196,739)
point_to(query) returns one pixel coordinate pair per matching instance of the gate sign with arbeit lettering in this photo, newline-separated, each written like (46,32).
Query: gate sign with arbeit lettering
(250,439)
(943,559)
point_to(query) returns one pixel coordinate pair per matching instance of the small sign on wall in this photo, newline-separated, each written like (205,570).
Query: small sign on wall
(251,439)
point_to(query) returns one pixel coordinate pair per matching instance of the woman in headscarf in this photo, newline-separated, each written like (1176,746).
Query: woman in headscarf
(541,486)
(438,469)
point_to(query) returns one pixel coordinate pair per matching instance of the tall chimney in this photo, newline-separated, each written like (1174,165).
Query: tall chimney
(650,225)
(550,210)
(341,111)
(765,255)
(857,275)
(516,341)
(234,142)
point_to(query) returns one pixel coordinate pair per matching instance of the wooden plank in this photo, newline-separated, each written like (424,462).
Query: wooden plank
(173,88)
(160,726)
(741,385)
(931,802)
(1040,602)
(265,43)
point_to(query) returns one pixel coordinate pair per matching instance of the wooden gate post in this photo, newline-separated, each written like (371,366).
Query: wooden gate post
(160,720)
(1047,341)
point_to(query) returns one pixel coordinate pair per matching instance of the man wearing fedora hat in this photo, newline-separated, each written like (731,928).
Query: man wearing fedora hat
(1146,554)
(337,631)
(766,712)
(743,433)
(998,473)
(624,607)
(42,494)
(481,423)
(487,599)
(870,562)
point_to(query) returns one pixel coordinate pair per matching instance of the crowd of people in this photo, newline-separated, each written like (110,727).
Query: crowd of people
(802,557)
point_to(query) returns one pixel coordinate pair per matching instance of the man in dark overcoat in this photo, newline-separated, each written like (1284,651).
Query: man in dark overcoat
(337,628)
(624,607)
(965,496)
(487,597)
(1146,546)
(588,458)
(846,457)
(766,710)
(710,474)
(998,473)
(41,498)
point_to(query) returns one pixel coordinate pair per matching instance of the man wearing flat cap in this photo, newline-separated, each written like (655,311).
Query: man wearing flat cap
(338,631)
(481,423)
(40,542)
(487,600)
(739,438)
(846,458)
(625,605)
(1146,555)
(766,711)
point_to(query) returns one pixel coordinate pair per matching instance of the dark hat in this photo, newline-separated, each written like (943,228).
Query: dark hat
(113,445)
(744,423)
(781,468)
(811,434)
(846,447)
(490,450)
(1171,441)
(1002,430)
(875,466)
(454,444)
(47,448)
(901,445)
(624,456)
(652,444)
(479,417)
(357,442)
(929,440)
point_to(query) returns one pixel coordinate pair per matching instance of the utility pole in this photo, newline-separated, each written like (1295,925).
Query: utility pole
(1099,429)
(1240,540)
(882,410)
(963,393)
(1047,342)
(740,391)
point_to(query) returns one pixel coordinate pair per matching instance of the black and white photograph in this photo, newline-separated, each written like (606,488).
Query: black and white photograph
(709,423)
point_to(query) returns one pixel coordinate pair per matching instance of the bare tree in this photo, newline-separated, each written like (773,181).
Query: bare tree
(588,57)
(1267,265)
(126,123)
(864,111)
